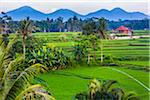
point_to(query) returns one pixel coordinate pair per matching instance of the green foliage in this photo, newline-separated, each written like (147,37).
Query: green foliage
(79,52)
(102,27)
(89,28)
(85,45)
(4,23)
(31,44)
(74,24)
(77,78)
(25,29)
(103,90)
(16,77)
(50,57)
(5,39)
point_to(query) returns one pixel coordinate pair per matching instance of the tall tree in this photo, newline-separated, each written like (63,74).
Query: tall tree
(60,23)
(26,28)
(48,24)
(102,25)
(94,44)
(70,24)
(75,23)
(102,33)
(89,27)
(5,27)
(4,20)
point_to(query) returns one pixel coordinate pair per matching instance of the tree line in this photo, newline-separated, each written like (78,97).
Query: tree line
(75,24)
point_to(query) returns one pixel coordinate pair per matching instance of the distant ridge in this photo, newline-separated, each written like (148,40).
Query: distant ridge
(114,14)
(25,11)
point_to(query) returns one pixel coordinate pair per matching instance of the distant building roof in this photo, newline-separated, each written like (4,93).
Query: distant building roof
(123,28)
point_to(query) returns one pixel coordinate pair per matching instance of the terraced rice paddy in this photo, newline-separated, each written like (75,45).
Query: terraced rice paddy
(64,84)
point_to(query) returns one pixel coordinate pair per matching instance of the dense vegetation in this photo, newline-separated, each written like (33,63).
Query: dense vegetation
(77,56)
(75,24)
(118,54)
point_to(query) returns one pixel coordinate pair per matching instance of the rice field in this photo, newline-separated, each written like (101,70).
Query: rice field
(64,84)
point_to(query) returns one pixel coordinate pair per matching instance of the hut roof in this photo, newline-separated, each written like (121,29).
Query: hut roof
(123,28)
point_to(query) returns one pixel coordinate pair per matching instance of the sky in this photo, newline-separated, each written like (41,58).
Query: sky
(81,6)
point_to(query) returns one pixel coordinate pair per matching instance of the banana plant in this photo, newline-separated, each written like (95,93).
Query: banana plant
(50,57)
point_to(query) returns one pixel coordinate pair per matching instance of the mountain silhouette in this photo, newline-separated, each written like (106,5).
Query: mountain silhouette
(114,14)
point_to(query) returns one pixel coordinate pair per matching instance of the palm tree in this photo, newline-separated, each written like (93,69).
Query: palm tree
(104,91)
(15,77)
(102,28)
(89,28)
(94,44)
(48,22)
(102,33)
(4,23)
(60,23)
(70,24)
(79,51)
(25,29)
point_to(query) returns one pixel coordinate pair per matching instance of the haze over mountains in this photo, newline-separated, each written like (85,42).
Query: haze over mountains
(114,14)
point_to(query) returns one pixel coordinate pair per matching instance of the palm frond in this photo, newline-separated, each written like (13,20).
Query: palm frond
(32,91)
(11,67)
(23,79)
(5,57)
(46,96)
(29,89)
(131,96)
(118,93)
(108,84)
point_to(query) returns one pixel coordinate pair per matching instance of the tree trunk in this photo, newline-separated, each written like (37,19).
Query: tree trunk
(88,60)
(102,35)
(101,52)
(94,51)
(59,29)
(24,46)
(94,55)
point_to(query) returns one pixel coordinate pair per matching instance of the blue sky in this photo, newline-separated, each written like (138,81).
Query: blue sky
(80,6)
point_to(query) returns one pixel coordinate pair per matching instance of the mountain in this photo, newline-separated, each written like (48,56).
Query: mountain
(25,11)
(114,14)
(100,13)
(64,13)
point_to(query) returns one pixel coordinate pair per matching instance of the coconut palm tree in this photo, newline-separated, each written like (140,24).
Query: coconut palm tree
(4,20)
(16,77)
(102,33)
(89,28)
(60,23)
(102,28)
(26,28)
(104,91)
(4,27)
(79,51)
